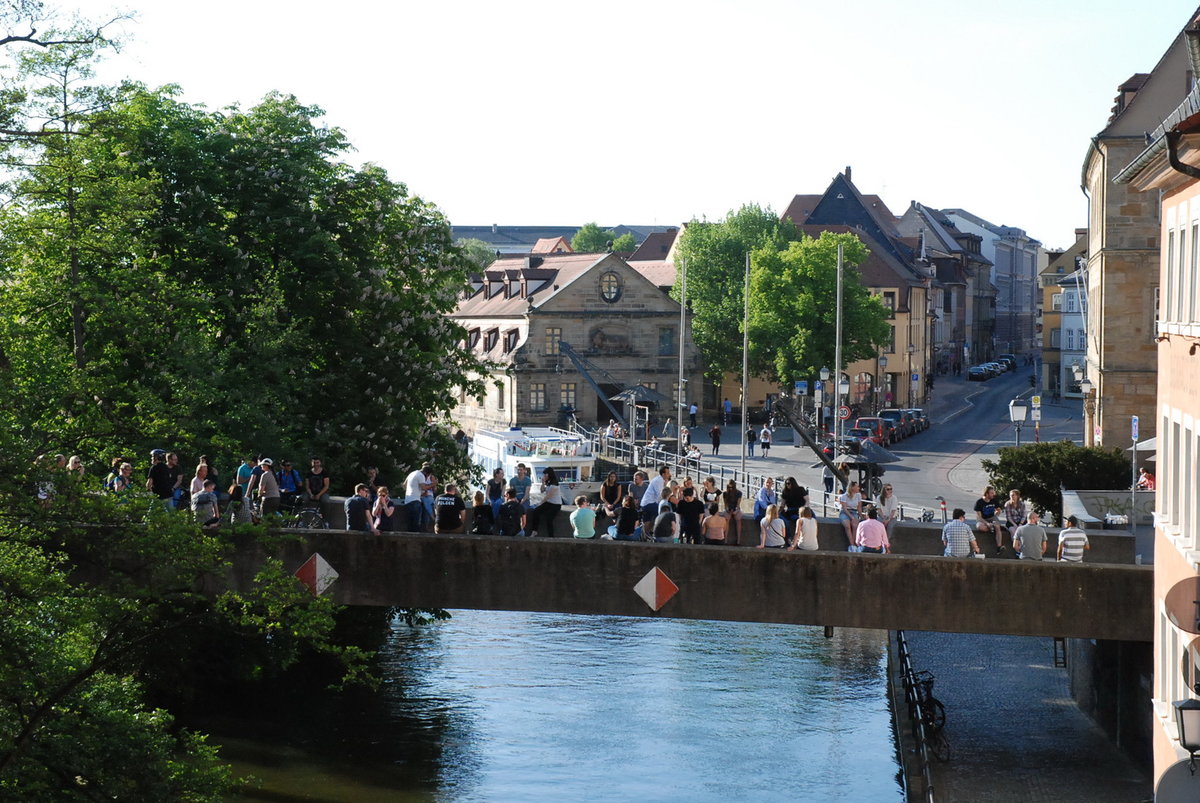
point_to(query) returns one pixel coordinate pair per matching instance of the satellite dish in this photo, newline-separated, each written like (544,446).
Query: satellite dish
(1178,785)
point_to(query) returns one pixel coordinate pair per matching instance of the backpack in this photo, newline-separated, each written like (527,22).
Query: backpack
(483,523)
(510,519)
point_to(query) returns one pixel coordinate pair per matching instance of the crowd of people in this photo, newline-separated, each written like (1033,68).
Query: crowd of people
(1023,526)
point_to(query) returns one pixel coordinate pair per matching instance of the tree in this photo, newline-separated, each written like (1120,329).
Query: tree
(591,239)
(715,254)
(793,310)
(1040,471)
(477,253)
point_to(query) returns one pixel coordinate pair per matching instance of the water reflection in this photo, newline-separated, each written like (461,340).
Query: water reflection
(518,706)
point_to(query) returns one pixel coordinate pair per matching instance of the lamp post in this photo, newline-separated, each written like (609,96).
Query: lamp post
(843,389)
(824,394)
(1089,409)
(1017,411)
(912,386)
(882,383)
(1187,717)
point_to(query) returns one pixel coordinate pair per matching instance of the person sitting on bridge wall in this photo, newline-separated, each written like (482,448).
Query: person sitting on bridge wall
(806,531)
(450,512)
(636,489)
(583,518)
(510,520)
(957,536)
(629,518)
(611,494)
(850,510)
(714,526)
(541,518)
(772,530)
(871,535)
(1072,542)
(985,515)
(1014,513)
(358,511)
(654,494)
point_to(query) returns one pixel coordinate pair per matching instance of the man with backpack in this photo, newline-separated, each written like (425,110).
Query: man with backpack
(511,518)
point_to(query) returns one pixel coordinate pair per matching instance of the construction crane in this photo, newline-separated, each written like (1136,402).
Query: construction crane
(582,365)
(786,406)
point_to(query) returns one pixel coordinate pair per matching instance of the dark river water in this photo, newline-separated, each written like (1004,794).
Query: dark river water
(548,707)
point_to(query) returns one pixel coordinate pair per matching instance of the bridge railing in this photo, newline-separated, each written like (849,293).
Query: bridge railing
(916,722)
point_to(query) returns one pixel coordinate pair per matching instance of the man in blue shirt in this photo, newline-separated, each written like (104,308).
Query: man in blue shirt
(358,511)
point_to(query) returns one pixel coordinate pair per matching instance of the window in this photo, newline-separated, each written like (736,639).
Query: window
(1193,283)
(500,395)
(1056,302)
(566,395)
(1071,302)
(553,338)
(1181,280)
(947,302)
(510,340)
(651,385)
(1081,334)
(473,338)
(1056,338)
(1070,340)
(490,339)
(1170,288)
(890,346)
(537,397)
(666,341)
(889,303)
(610,287)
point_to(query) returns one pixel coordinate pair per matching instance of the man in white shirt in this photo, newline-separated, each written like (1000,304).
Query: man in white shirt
(413,487)
(653,494)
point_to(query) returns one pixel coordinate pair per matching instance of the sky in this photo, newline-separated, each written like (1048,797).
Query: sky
(658,112)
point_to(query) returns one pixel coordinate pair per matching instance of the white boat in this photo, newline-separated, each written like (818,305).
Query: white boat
(539,448)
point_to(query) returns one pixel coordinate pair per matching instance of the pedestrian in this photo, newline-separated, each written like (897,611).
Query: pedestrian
(888,507)
(655,493)
(691,510)
(383,510)
(751,441)
(764,439)
(583,518)
(714,435)
(666,524)
(709,492)
(850,510)
(637,489)
(450,512)
(1030,540)
(827,478)
(205,506)
(198,481)
(358,511)
(871,535)
(1145,481)
(1072,542)
(727,411)
(692,410)
(1014,513)
(806,532)
(792,499)
(159,479)
(268,489)
(985,516)
(772,530)
(629,519)
(957,536)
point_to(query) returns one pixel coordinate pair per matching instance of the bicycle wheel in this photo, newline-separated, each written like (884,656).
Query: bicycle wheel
(935,714)
(311,520)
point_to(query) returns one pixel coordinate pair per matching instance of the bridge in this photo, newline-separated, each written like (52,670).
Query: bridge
(827,587)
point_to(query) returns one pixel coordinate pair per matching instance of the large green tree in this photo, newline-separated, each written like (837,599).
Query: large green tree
(793,308)
(591,239)
(715,255)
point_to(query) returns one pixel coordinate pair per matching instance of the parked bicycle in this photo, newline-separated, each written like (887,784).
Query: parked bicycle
(933,715)
(305,514)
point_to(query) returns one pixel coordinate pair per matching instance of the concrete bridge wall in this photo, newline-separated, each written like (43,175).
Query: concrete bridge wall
(836,588)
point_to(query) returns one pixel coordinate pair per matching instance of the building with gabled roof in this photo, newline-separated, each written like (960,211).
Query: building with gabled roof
(552,245)
(520,312)
(523,239)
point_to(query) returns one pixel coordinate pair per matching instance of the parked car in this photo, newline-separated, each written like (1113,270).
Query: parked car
(881,427)
(977,373)
(920,420)
(1008,359)
(902,420)
(864,434)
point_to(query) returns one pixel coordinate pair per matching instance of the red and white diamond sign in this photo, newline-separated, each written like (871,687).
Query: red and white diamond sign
(655,588)
(316,574)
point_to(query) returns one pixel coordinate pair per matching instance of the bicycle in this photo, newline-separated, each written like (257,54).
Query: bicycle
(305,514)
(933,715)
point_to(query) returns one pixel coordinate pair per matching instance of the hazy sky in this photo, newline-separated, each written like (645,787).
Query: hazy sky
(655,112)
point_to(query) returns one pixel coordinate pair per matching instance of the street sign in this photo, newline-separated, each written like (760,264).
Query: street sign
(1134,428)
(1037,401)
(655,588)
(801,387)
(1036,414)
(844,412)
(915,377)
(817,385)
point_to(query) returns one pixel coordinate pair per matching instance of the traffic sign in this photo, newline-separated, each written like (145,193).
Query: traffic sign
(1035,414)
(915,376)
(817,385)
(655,588)
(1037,401)
(316,574)
(801,387)
(844,412)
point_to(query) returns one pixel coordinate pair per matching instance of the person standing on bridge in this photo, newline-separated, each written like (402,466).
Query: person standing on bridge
(751,441)
(889,508)
(957,536)
(637,489)
(692,410)
(358,511)
(654,494)
(764,439)
(714,435)
(1030,539)
(726,411)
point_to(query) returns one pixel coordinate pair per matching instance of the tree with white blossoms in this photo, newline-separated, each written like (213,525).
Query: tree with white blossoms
(223,283)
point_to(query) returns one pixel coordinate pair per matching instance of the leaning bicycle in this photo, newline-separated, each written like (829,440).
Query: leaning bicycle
(305,514)
(933,715)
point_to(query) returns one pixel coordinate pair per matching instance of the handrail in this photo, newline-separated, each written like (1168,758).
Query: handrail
(916,722)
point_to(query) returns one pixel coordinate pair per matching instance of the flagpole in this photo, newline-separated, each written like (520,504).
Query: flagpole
(839,425)
(680,395)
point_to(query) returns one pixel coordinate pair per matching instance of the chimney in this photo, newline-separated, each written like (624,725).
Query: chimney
(848,173)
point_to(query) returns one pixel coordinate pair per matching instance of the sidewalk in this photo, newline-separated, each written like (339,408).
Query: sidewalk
(1015,732)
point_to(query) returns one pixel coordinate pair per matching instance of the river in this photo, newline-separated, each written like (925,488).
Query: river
(539,707)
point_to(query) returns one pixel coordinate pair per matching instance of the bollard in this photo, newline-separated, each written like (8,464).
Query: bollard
(942,500)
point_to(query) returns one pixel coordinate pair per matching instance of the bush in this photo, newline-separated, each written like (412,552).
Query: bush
(1041,470)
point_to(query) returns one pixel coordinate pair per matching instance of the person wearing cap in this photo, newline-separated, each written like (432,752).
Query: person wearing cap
(159,480)
(268,488)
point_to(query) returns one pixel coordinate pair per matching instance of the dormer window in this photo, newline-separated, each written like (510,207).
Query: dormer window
(473,338)
(490,340)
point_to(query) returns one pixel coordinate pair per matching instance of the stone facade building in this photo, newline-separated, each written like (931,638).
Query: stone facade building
(525,313)
(1166,173)
(1123,253)
(1064,300)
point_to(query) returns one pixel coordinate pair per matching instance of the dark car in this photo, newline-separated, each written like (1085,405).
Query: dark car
(1008,359)
(977,373)
(920,418)
(864,434)
(902,420)
(881,427)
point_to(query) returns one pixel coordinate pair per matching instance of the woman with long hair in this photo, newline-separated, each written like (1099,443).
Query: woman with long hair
(850,511)
(791,499)
(611,493)
(806,531)
(732,499)
(543,515)
(772,530)
(715,526)
(887,507)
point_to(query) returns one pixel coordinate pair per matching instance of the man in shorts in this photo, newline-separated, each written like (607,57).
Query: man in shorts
(985,517)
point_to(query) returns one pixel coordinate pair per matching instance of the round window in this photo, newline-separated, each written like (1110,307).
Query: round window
(610,287)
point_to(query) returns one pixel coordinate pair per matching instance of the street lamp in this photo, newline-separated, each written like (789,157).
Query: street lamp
(843,390)
(1089,408)
(824,391)
(882,383)
(912,390)
(1187,717)
(1017,411)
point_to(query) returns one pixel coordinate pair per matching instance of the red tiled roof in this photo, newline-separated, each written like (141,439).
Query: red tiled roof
(551,245)
(658,272)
